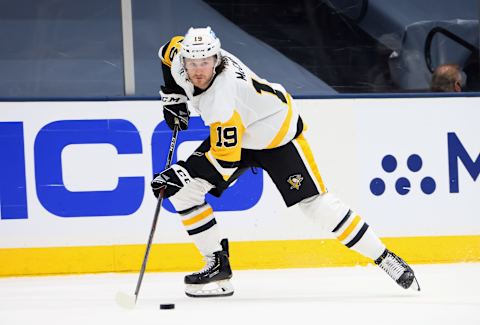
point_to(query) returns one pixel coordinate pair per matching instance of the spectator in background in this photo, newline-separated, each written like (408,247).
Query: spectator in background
(448,78)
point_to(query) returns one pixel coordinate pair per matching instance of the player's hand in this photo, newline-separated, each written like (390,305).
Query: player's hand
(176,111)
(174,107)
(172,179)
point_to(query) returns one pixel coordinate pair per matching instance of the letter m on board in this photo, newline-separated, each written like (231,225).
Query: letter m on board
(457,152)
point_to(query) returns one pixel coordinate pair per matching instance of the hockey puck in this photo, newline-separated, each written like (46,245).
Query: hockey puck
(167,306)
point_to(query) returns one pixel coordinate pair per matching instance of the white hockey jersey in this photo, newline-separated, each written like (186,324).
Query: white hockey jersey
(241,109)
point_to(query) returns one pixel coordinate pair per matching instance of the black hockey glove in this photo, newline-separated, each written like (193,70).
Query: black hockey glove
(174,106)
(180,111)
(173,179)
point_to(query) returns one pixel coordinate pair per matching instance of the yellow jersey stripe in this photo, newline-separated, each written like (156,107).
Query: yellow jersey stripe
(226,139)
(307,152)
(226,144)
(350,228)
(173,48)
(198,217)
(285,126)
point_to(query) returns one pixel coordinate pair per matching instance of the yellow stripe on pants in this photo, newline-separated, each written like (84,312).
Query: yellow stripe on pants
(307,152)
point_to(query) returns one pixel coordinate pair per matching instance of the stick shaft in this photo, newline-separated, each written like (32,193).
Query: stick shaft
(157,212)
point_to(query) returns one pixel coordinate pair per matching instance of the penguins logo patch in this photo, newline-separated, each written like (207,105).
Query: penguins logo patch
(295,181)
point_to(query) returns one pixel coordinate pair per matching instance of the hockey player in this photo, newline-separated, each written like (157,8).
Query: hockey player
(253,123)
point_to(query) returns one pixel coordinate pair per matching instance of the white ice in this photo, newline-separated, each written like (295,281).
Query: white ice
(355,295)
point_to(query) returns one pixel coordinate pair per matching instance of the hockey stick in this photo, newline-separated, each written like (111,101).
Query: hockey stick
(125,300)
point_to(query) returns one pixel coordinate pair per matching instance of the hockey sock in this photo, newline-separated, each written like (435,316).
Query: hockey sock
(355,233)
(200,224)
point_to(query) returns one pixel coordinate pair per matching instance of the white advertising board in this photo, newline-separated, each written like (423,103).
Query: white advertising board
(78,173)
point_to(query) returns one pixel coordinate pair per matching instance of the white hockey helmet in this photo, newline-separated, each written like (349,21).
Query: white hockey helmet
(200,43)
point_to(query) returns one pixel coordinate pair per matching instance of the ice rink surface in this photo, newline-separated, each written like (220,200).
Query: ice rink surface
(354,295)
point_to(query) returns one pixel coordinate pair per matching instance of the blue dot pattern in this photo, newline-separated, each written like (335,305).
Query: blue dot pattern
(414,163)
(428,185)
(402,185)
(377,186)
(389,163)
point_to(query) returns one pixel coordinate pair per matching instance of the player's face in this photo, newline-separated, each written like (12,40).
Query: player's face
(200,71)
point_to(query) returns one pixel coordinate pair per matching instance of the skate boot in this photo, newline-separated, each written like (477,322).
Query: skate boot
(398,270)
(213,279)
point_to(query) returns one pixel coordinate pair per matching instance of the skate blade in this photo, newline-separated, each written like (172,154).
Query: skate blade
(125,301)
(415,286)
(214,289)
(205,295)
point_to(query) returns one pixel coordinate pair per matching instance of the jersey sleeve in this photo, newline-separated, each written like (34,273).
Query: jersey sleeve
(166,54)
(226,145)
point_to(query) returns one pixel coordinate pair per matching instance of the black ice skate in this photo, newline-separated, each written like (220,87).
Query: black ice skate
(213,279)
(398,270)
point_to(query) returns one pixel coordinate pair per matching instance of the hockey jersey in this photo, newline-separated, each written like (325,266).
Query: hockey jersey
(241,109)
